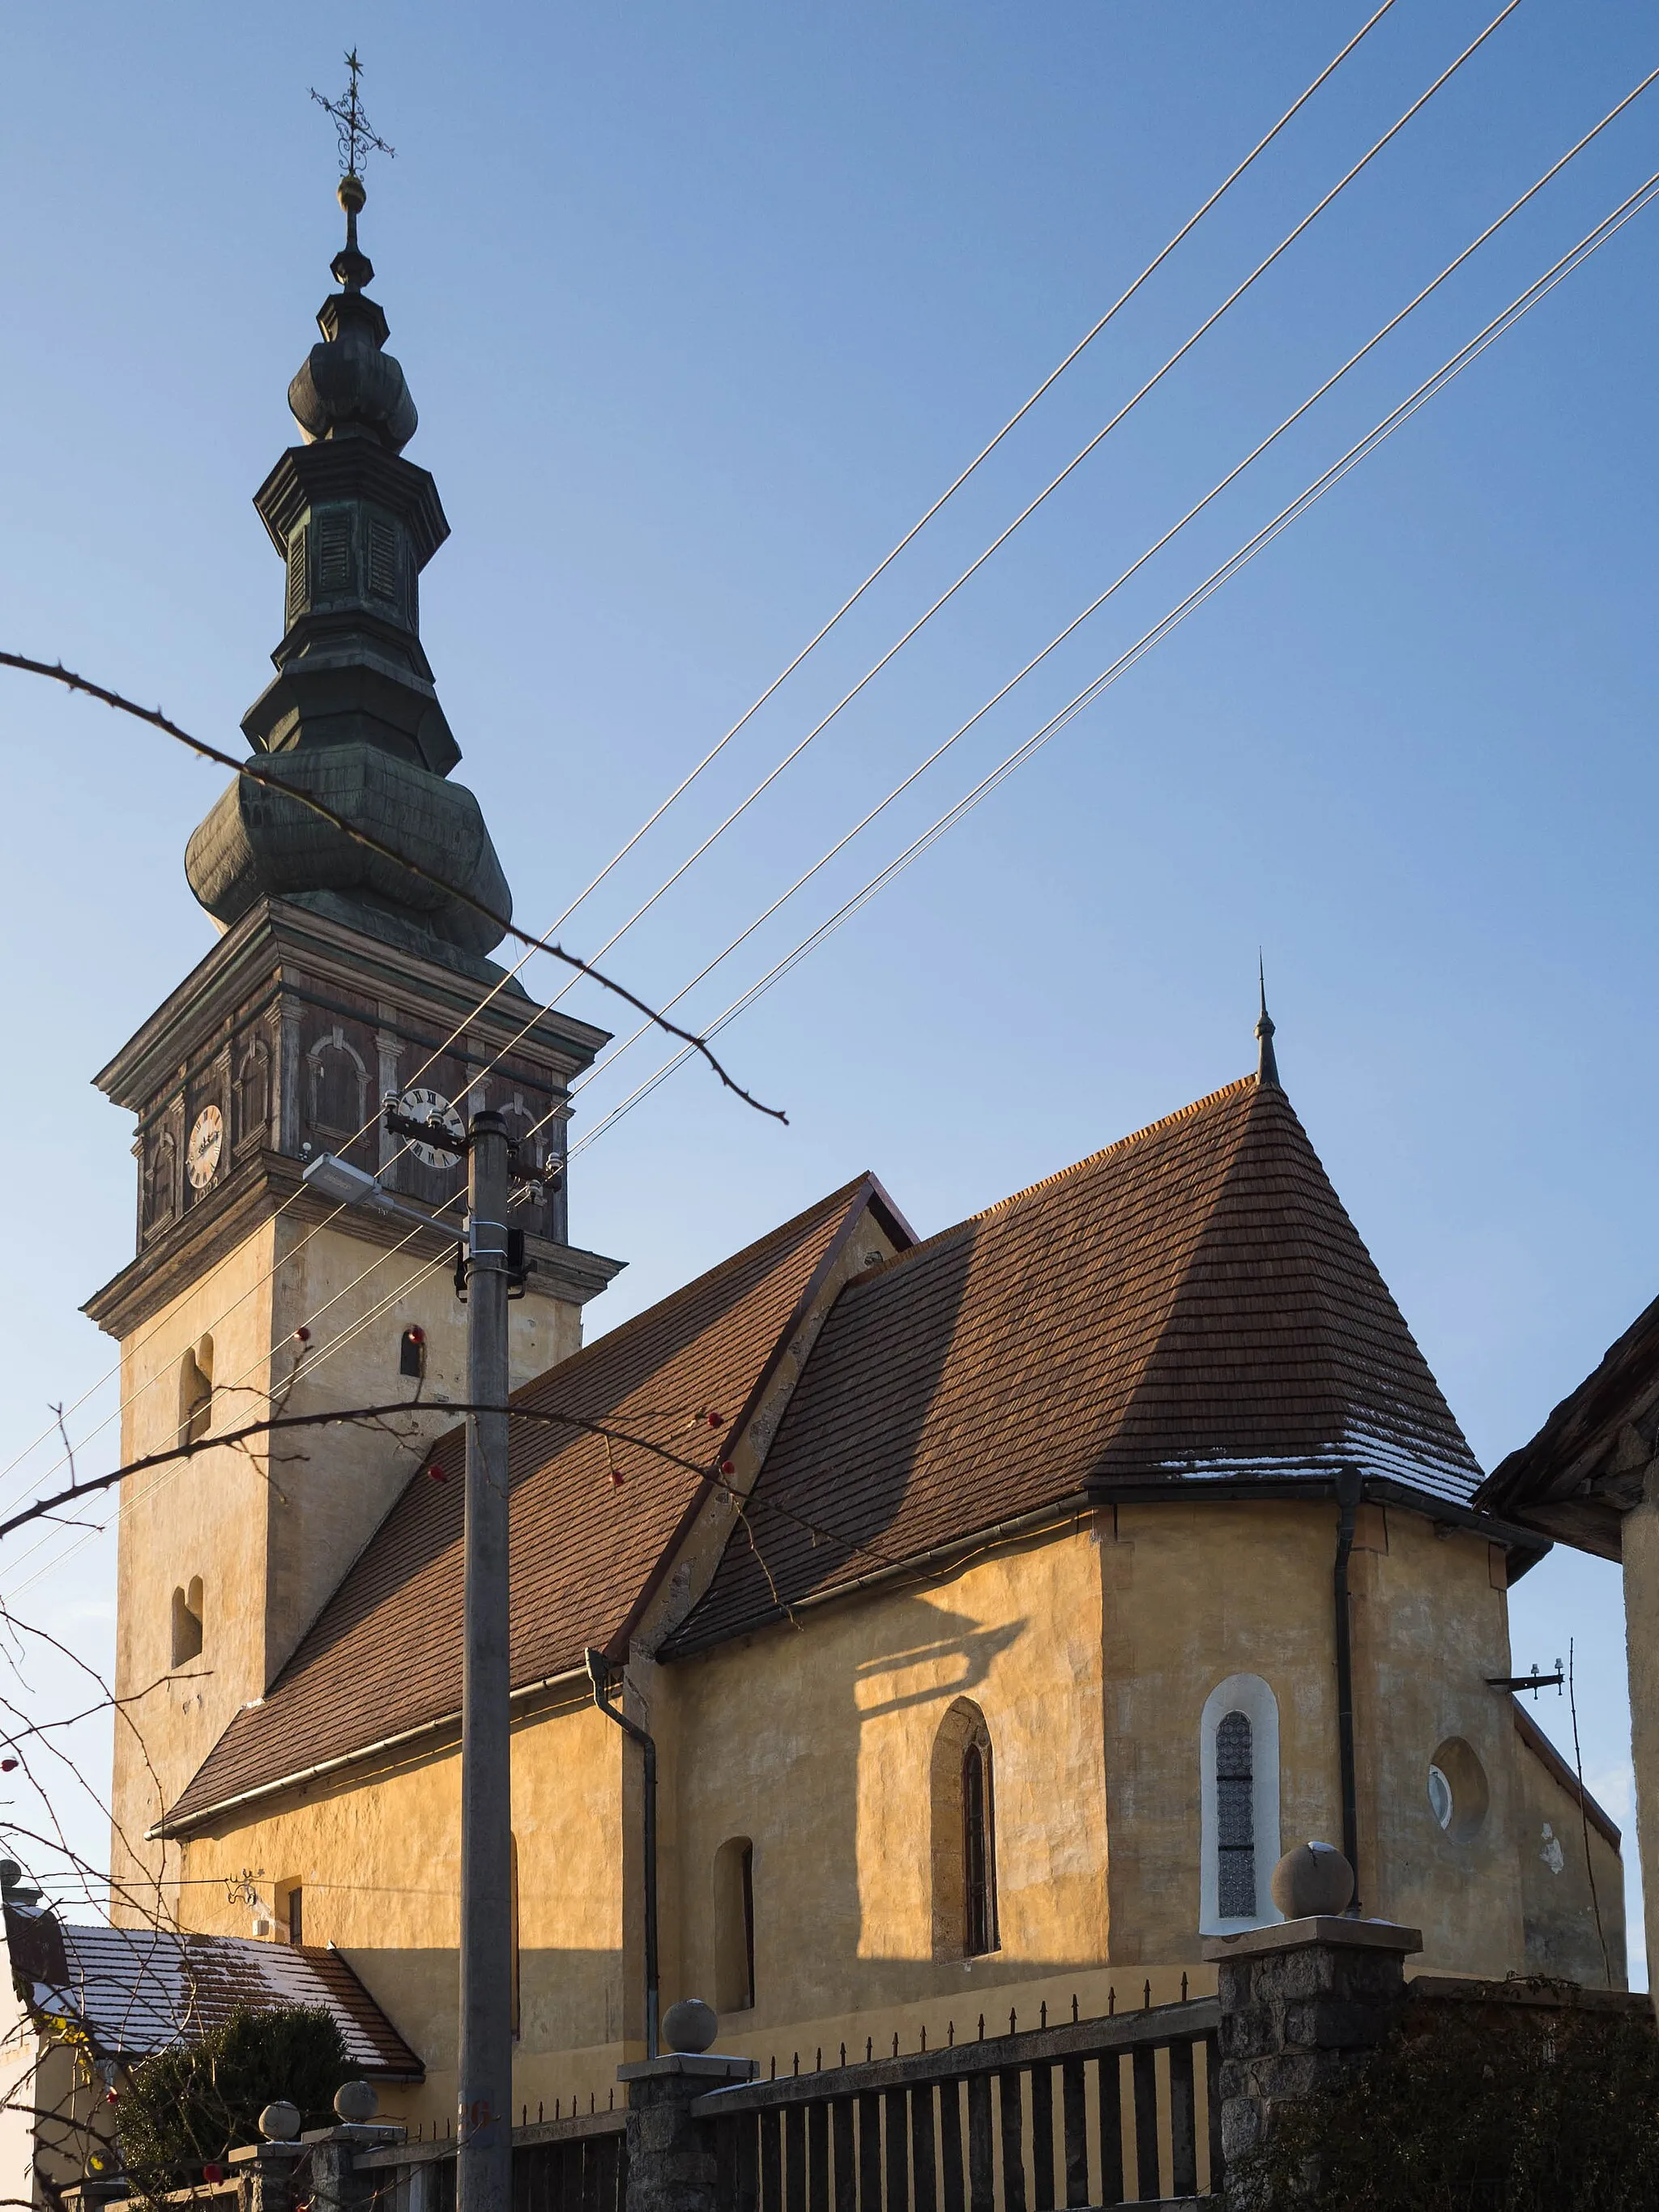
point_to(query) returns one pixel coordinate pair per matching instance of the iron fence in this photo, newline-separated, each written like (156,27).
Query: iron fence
(1121,2110)
(575,2165)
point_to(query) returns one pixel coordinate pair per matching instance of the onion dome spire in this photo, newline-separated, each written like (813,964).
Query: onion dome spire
(353,714)
(1266,1072)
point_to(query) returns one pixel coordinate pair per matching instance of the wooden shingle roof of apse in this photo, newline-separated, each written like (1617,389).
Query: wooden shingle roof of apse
(383,1658)
(1192,1303)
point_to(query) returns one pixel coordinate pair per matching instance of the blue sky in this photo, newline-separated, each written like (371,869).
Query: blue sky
(702,308)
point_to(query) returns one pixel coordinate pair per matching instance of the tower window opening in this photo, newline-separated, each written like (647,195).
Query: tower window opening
(297,593)
(195,1393)
(735,1925)
(333,554)
(291,1912)
(187,1621)
(411,1353)
(382,559)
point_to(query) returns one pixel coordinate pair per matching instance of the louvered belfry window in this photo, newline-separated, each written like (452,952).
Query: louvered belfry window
(1235,1808)
(382,560)
(297,594)
(333,554)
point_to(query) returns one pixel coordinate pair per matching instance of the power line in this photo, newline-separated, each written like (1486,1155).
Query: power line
(610,1058)
(1054,484)
(983,454)
(1452,368)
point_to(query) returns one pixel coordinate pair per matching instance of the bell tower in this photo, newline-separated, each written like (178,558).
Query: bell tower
(337,978)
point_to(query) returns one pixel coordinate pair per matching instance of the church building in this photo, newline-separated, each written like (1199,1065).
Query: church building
(1001,1603)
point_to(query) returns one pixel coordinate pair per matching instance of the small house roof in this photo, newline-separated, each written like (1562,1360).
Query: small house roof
(132,1991)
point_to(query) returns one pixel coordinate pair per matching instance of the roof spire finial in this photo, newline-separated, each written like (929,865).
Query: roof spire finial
(1266,1072)
(358,138)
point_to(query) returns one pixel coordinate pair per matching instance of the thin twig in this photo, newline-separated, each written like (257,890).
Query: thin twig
(258,772)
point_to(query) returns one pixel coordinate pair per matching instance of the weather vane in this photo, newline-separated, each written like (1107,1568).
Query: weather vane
(356,136)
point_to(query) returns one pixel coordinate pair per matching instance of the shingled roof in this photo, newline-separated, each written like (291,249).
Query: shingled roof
(1192,1303)
(132,1991)
(593,1526)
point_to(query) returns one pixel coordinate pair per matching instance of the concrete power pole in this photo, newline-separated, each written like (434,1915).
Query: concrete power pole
(484,2137)
(484,2160)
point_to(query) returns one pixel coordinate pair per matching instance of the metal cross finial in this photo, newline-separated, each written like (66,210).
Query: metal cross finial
(356,136)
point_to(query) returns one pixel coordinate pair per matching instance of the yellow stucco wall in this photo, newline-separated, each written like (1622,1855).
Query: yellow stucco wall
(1564,1887)
(269,1529)
(1090,1649)
(1640,1543)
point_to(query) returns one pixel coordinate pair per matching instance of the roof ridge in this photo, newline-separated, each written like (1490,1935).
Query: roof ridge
(1060,1174)
(583,1354)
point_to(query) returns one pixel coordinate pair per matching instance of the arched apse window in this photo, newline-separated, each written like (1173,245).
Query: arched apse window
(963,1823)
(195,1393)
(735,1925)
(1238,1794)
(187,1621)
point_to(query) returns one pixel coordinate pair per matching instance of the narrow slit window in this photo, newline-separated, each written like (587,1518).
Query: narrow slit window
(296,1916)
(1235,1802)
(411,1353)
(195,1393)
(187,1622)
(735,1925)
(978,1858)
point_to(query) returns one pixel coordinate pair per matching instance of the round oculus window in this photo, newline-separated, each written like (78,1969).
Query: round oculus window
(1459,1795)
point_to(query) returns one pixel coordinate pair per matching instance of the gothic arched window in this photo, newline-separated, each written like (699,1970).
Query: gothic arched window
(1238,1795)
(962,1810)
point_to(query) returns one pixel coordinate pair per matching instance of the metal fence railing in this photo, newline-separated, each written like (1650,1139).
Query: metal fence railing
(576,2164)
(1121,2110)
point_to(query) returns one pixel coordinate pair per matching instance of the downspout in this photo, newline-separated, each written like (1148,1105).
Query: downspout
(605,1679)
(1348,1486)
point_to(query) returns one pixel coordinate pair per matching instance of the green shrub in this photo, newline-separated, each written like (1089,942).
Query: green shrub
(192,2103)
(1476,2108)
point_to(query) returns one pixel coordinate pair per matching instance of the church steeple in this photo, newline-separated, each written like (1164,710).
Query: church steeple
(353,713)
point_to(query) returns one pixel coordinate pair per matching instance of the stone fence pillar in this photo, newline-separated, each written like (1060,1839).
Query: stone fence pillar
(670,2155)
(1300,2002)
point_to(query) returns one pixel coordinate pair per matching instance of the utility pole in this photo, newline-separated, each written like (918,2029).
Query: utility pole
(483,2172)
(491,1268)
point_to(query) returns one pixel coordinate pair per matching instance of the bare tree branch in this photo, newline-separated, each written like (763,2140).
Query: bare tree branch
(258,772)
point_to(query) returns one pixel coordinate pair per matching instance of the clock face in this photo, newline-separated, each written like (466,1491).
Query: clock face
(431,1106)
(207,1141)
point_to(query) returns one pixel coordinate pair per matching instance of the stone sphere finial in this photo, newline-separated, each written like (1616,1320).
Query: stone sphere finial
(356,2102)
(689,2025)
(280,2121)
(1312,1881)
